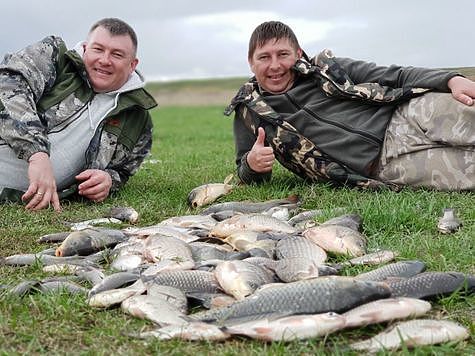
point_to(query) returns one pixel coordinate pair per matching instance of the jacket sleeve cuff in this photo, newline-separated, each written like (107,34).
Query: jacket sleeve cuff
(248,175)
(25,152)
(116,180)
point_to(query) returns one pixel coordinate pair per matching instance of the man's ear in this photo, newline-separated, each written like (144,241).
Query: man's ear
(251,65)
(299,53)
(133,64)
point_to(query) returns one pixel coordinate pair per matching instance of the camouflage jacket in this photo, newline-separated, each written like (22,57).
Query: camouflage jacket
(331,125)
(44,85)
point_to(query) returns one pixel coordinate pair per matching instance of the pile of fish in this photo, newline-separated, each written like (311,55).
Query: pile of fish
(263,270)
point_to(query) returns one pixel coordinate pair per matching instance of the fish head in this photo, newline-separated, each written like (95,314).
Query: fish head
(123,213)
(227,227)
(233,281)
(77,242)
(195,198)
(333,320)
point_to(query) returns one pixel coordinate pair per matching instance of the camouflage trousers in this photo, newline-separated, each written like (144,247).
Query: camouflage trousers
(430,142)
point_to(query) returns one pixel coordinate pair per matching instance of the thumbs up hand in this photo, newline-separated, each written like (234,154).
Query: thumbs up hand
(261,158)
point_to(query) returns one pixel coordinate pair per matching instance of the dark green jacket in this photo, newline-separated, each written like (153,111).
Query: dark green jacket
(341,106)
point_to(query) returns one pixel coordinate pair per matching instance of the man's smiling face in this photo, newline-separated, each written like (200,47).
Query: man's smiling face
(109,59)
(272,63)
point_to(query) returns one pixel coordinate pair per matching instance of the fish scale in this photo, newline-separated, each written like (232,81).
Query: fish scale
(412,333)
(431,284)
(250,222)
(249,207)
(298,246)
(312,296)
(191,281)
(397,269)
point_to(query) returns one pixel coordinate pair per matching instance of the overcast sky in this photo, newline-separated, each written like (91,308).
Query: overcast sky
(208,38)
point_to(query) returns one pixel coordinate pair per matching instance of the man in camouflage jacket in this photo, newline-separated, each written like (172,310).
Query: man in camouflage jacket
(90,100)
(346,122)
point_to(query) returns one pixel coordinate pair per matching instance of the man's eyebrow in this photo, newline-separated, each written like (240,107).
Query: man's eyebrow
(112,49)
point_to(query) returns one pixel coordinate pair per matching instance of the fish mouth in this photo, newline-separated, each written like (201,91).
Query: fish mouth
(192,199)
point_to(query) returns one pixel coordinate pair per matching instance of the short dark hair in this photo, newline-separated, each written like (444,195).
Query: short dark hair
(271,30)
(117,27)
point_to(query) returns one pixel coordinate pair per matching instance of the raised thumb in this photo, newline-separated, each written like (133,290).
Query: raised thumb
(261,136)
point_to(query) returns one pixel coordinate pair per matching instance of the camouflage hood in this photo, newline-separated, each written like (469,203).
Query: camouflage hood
(332,80)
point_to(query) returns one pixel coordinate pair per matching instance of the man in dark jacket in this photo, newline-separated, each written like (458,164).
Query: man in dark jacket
(351,122)
(73,120)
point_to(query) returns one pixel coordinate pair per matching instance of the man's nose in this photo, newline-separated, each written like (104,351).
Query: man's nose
(105,58)
(274,62)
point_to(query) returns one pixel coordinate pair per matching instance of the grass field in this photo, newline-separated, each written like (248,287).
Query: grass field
(193,146)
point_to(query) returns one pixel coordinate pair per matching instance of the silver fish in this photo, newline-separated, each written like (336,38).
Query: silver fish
(296,269)
(250,222)
(54,237)
(352,221)
(55,286)
(127,262)
(181,233)
(282,212)
(398,269)
(157,310)
(449,222)
(187,281)
(134,244)
(203,251)
(240,239)
(62,268)
(374,258)
(337,239)
(299,246)
(113,281)
(123,213)
(111,297)
(190,221)
(241,278)
(310,296)
(194,331)
(223,215)
(250,207)
(295,327)
(81,225)
(32,258)
(87,241)
(90,274)
(432,284)
(384,310)
(208,193)
(305,216)
(48,251)
(23,287)
(414,333)
(308,216)
(262,261)
(212,300)
(158,248)
(171,295)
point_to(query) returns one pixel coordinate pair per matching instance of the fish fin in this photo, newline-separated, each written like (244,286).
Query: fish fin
(228,178)
(294,199)
(228,322)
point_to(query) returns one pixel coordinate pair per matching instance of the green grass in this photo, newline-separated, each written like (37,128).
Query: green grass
(199,84)
(193,146)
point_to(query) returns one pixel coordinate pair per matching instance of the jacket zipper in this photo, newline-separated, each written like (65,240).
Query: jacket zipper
(341,126)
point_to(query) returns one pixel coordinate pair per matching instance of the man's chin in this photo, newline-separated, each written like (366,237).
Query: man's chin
(101,88)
